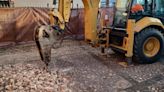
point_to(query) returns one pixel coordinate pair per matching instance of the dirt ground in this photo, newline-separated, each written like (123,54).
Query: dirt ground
(83,68)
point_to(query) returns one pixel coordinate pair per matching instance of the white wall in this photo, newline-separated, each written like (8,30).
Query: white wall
(42,3)
(79,2)
(32,3)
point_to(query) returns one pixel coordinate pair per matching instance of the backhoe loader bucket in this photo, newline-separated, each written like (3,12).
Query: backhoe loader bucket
(46,37)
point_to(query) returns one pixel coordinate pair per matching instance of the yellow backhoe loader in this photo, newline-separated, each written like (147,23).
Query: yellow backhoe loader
(138,32)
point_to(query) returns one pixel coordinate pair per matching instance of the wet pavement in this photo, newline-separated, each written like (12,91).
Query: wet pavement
(89,71)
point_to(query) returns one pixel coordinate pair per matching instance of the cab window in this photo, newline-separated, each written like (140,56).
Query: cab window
(159,6)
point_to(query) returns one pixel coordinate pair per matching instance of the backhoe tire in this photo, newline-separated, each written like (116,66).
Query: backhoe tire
(148,46)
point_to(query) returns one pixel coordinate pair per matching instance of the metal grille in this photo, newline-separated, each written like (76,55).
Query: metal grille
(6,3)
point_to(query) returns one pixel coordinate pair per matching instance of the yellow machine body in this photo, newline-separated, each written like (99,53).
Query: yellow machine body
(135,27)
(151,47)
(146,22)
(62,15)
(91,8)
(64,11)
(91,11)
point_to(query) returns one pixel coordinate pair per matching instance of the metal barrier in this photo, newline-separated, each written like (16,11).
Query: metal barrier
(6,3)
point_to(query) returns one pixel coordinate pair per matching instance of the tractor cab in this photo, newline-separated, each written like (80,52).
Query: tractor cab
(136,9)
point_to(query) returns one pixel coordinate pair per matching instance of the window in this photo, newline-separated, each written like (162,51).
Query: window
(147,5)
(159,6)
(103,3)
(122,4)
(120,13)
(107,3)
(142,2)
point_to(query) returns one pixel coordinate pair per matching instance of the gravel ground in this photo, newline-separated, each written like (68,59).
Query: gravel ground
(30,78)
(76,67)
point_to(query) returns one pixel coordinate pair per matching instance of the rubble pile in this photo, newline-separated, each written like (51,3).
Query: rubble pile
(30,78)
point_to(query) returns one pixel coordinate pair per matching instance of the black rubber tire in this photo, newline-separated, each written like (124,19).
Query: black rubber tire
(140,38)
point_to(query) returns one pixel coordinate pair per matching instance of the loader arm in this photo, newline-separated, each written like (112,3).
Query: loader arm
(46,36)
(62,15)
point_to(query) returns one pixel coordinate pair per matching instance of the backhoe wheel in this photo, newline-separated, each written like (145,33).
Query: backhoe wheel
(148,46)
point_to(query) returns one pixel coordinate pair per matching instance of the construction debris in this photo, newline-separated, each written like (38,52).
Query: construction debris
(30,78)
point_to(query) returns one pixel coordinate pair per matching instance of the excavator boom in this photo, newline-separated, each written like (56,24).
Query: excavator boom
(46,36)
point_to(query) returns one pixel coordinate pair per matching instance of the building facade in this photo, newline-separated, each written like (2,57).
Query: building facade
(43,3)
(49,3)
